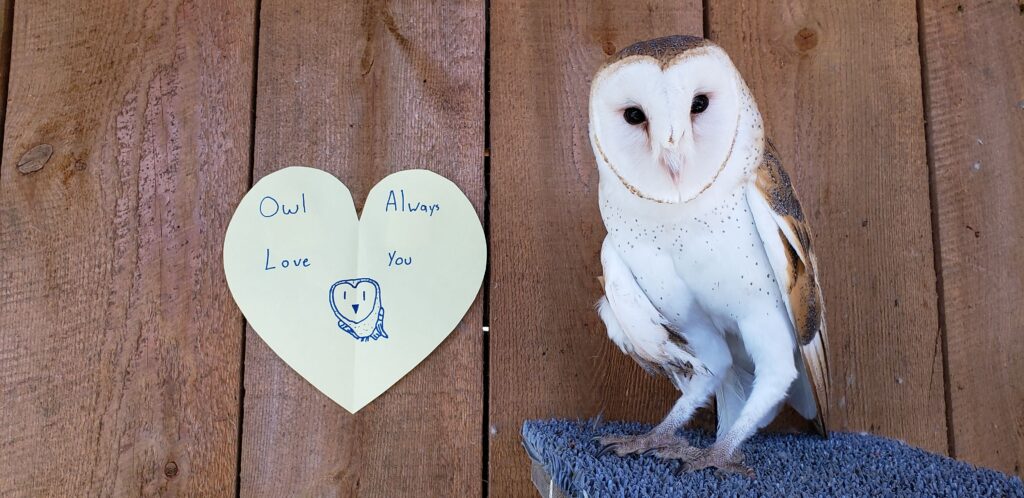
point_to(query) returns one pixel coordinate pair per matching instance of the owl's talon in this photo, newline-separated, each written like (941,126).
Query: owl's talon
(641,444)
(715,458)
(680,450)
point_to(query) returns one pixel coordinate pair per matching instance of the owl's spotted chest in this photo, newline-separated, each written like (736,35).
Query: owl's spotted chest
(707,262)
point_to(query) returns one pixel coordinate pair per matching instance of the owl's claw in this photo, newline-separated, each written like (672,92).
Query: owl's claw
(679,450)
(642,444)
(717,459)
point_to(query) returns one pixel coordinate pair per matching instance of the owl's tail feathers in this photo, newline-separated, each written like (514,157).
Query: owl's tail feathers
(801,394)
(735,388)
(731,395)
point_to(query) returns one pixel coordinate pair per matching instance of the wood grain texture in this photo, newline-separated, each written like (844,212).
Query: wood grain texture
(839,86)
(120,346)
(363,90)
(975,91)
(550,355)
(6,30)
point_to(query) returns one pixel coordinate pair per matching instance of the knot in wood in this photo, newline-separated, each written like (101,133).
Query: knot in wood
(608,47)
(806,39)
(35,159)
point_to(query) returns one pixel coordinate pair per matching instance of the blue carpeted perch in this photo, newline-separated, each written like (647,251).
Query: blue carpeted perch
(846,464)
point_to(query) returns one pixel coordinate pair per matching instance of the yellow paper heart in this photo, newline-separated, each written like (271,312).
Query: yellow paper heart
(354,304)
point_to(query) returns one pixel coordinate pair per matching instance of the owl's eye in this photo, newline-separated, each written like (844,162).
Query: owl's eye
(634,116)
(700,104)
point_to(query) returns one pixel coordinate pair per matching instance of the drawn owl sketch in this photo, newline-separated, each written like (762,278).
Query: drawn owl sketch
(709,275)
(357,306)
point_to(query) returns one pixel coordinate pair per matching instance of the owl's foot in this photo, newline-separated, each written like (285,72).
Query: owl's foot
(649,443)
(679,449)
(717,458)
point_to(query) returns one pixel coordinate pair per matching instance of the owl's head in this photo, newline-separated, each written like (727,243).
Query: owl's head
(664,115)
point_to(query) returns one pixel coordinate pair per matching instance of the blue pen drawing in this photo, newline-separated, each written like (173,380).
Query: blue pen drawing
(354,301)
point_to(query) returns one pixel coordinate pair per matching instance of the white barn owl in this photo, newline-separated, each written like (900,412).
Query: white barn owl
(709,277)
(357,306)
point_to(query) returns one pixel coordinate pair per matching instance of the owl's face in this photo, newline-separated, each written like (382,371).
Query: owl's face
(354,300)
(666,124)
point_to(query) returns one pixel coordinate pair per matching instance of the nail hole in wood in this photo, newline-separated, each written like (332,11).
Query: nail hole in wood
(171,469)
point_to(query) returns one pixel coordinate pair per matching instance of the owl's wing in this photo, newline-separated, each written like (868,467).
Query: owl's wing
(635,325)
(787,241)
(378,329)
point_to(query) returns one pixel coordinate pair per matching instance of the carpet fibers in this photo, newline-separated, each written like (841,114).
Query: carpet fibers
(846,464)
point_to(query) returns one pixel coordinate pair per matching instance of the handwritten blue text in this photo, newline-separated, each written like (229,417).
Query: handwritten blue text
(270,207)
(395,260)
(284,263)
(408,207)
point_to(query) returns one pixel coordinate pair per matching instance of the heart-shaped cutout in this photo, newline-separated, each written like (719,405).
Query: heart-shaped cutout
(354,304)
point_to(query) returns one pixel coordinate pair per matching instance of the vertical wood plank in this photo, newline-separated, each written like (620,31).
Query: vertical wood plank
(975,96)
(839,86)
(363,90)
(550,355)
(6,31)
(120,345)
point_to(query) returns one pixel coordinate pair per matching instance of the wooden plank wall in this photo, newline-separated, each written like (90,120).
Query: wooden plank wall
(975,88)
(126,369)
(120,344)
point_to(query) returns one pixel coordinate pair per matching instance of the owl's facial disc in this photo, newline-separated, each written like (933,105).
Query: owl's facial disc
(666,130)
(355,300)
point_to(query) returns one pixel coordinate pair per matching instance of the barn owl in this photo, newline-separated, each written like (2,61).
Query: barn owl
(709,277)
(357,306)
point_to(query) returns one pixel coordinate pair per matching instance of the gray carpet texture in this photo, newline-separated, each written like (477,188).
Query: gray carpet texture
(845,464)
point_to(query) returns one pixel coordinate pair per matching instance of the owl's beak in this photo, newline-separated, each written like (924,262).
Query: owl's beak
(670,160)
(670,157)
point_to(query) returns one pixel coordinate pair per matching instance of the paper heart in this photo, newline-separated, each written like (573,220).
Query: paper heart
(354,304)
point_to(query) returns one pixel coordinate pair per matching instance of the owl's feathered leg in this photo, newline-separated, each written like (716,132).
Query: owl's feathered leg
(770,346)
(662,441)
(696,386)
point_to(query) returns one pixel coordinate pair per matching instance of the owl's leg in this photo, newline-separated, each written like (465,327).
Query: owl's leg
(713,351)
(696,387)
(770,346)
